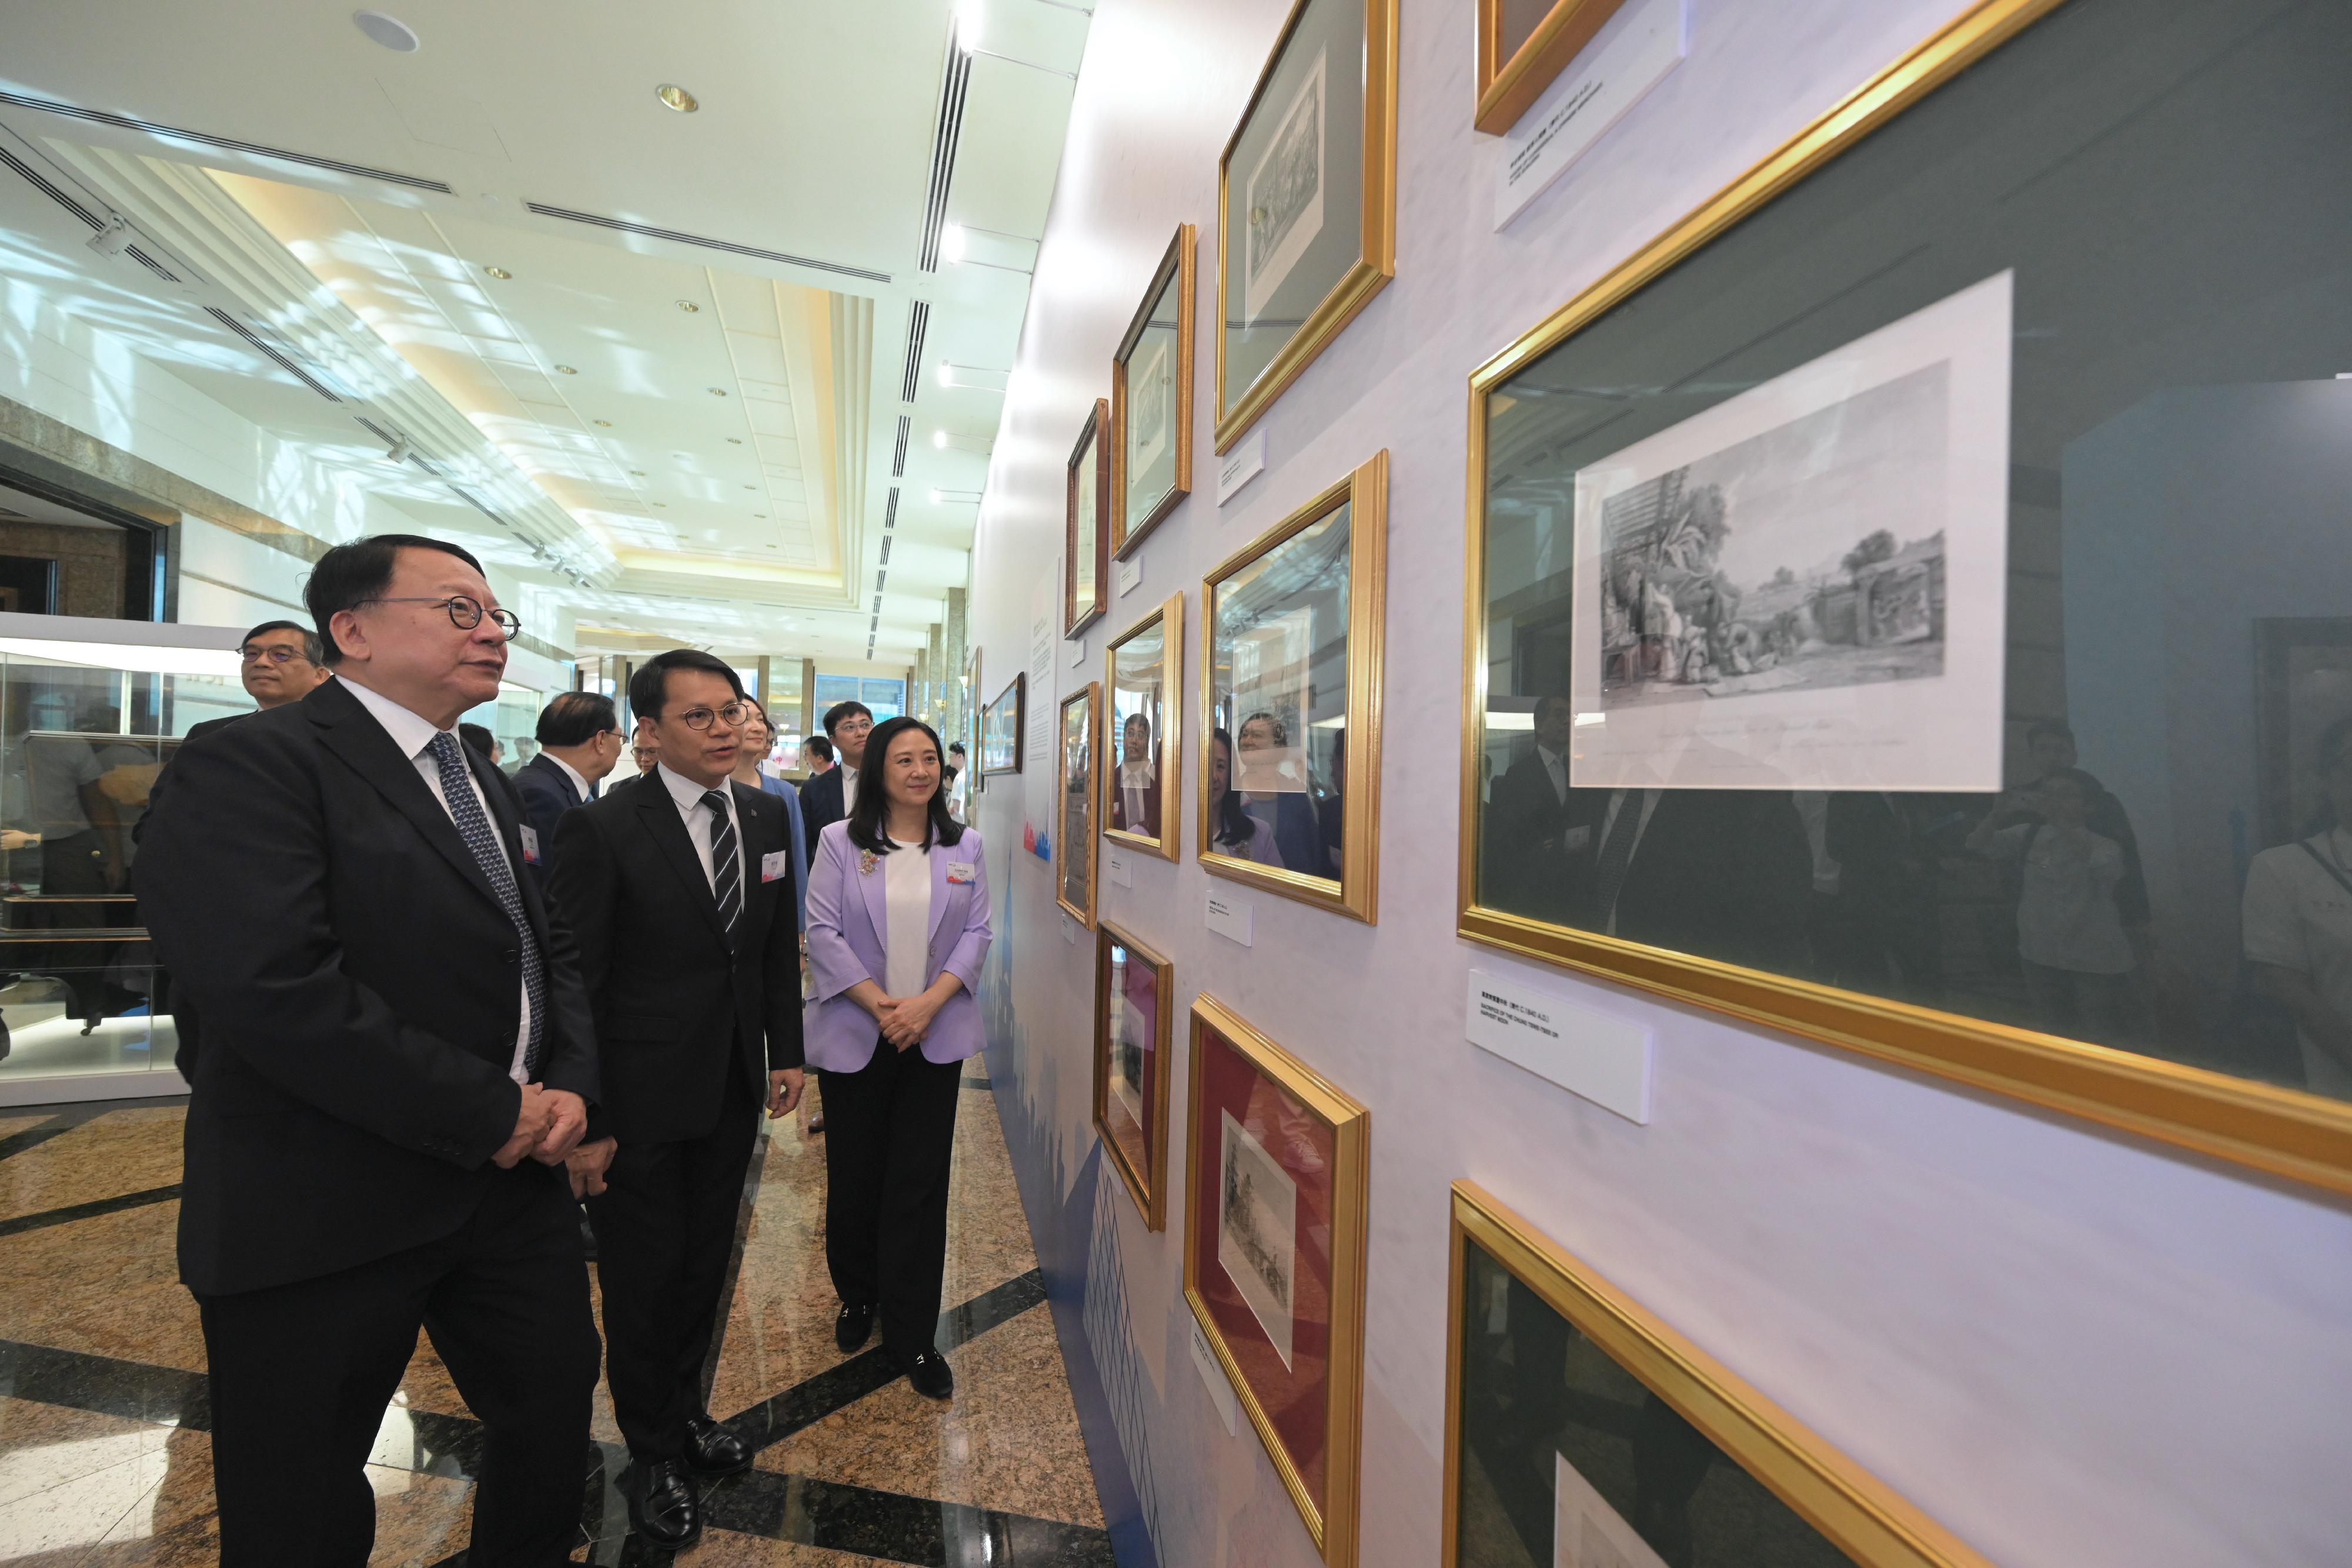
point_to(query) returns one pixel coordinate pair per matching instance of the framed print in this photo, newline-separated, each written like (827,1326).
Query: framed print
(1275,1179)
(1000,727)
(1134,989)
(1306,192)
(1074,784)
(1291,628)
(1581,1431)
(1523,44)
(1152,402)
(1086,585)
(1844,656)
(1143,779)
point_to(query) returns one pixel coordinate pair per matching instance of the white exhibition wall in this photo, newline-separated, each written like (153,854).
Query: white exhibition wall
(2071,1348)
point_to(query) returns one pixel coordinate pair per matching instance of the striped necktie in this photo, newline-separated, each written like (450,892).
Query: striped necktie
(466,811)
(726,870)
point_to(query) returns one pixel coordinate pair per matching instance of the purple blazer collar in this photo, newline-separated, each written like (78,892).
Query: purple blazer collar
(872,883)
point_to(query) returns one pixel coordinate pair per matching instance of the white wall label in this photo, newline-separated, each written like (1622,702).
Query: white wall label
(1122,870)
(1221,1390)
(1131,572)
(1229,917)
(1647,42)
(1069,930)
(1077,653)
(1242,465)
(1595,1054)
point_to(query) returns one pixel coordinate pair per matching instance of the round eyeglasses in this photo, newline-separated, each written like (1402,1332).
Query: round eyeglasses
(732,716)
(464,613)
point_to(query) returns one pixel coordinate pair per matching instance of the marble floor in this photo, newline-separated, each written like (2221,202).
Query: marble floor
(104,1461)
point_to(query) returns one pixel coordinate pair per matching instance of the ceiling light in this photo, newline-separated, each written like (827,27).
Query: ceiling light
(689,306)
(935,497)
(390,31)
(676,97)
(734,441)
(716,391)
(939,441)
(113,239)
(945,379)
(951,242)
(637,473)
(605,423)
(663,505)
(400,451)
(565,370)
(500,273)
(967,25)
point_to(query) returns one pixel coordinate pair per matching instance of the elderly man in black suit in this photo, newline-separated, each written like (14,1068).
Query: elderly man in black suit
(390,1057)
(580,742)
(681,890)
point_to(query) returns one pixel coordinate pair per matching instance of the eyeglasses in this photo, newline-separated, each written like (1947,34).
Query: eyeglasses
(252,656)
(732,716)
(464,613)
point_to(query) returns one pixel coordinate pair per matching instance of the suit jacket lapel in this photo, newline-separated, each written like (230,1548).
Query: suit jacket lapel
(660,814)
(877,903)
(351,732)
(940,894)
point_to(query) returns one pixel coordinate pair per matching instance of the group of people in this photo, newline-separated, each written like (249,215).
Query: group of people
(475,1003)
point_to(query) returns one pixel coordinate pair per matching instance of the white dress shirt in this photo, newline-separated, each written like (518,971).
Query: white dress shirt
(579,779)
(1135,782)
(687,795)
(905,919)
(1556,765)
(848,789)
(412,732)
(1650,798)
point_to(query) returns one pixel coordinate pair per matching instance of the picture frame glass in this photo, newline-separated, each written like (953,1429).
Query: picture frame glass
(1077,779)
(999,732)
(1262,1210)
(1132,1064)
(1138,724)
(1277,630)
(1294,190)
(1148,464)
(1851,635)
(1516,21)
(1085,526)
(1564,1456)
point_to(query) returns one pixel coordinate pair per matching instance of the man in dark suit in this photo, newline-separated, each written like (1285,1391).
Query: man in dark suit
(1717,874)
(281,662)
(580,742)
(388,1048)
(680,892)
(1531,845)
(1135,782)
(825,799)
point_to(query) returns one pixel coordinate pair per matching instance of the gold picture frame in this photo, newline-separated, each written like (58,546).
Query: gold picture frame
(1174,273)
(1144,1171)
(1854,1510)
(1015,719)
(2282,1131)
(1507,84)
(1079,838)
(1227,1056)
(971,731)
(1086,537)
(1168,748)
(1238,407)
(1355,892)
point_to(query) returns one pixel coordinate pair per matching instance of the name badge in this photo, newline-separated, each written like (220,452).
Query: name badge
(774,865)
(530,846)
(960,872)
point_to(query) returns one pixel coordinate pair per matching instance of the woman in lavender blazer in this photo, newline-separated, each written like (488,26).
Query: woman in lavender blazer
(897,929)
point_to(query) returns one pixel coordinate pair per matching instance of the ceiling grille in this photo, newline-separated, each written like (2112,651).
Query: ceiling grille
(898,457)
(624,227)
(886,540)
(919,318)
(890,511)
(56,193)
(224,143)
(944,139)
(272,352)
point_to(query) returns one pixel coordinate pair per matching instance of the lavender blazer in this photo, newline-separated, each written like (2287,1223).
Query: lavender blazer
(848,932)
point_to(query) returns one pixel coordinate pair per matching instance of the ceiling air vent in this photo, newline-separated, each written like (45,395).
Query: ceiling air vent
(890,511)
(887,539)
(898,457)
(220,143)
(270,352)
(953,85)
(918,318)
(65,199)
(624,227)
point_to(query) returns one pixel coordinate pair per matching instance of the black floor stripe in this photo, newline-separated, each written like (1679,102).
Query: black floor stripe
(91,1210)
(977,1084)
(78,1114)
(33,1137)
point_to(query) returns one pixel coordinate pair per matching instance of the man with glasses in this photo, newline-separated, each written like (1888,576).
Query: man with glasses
(579,743)
(281,663)
(827,798)
(680,890)
(390,1056)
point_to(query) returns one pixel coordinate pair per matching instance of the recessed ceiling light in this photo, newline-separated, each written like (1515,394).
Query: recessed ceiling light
(390,31)
(940,440)
(637,473)
(734,441)
(689,306)
(676,97)
(605,423)
(664,505)
(500,273)
(763,518)
(565,370)
(716,391)
(751,486)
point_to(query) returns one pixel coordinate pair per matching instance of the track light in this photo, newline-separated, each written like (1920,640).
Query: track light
(400,451)
(113,239)
(952,241)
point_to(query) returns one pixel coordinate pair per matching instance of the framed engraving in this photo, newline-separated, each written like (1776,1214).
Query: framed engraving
(1135,994)
(1275,1177)
(1151,400)
(1143,778)
(1524,45)
(1085,583)
(1291,627)
(1074,786)
(1000,727)
(1307,186)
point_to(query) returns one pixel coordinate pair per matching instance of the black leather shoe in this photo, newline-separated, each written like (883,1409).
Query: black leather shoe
(850,1329)
(713,1451)
(927,1370)
(663,1505)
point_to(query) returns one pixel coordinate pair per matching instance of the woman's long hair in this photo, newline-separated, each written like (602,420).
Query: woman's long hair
(1228,823)
(869,813)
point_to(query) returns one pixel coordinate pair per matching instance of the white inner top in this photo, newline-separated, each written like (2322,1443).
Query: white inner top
(907,919)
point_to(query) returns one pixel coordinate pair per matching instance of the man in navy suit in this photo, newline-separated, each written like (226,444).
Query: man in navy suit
(579,743)
(825,799)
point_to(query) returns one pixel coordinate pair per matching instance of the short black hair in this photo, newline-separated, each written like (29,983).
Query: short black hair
(349,575)
(575,719)
(955,748)
(312,649)
(649,687)
(478,736)
(1549,698)
(818,747)
(840,713)
(868,817)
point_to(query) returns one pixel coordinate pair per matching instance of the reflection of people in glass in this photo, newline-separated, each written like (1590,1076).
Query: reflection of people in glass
(2297,923)
(1135,804)
(1720,872)
(1529,835)
(1232,830)
(1272,793)
(2070,931)
(1875,910)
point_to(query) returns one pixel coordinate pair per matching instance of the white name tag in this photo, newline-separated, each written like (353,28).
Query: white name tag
(530,846)
(774,865)
(961,872)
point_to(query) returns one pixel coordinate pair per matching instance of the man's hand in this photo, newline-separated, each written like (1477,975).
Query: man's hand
(586,1165)
(532,1118)
(783,1092)
(563,1129)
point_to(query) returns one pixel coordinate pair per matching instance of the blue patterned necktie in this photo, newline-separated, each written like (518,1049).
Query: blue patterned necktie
(474,827)
(725,872)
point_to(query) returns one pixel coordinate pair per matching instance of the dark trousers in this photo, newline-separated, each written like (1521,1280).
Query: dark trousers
(664,1229)
(890,1134)
(302,1374)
